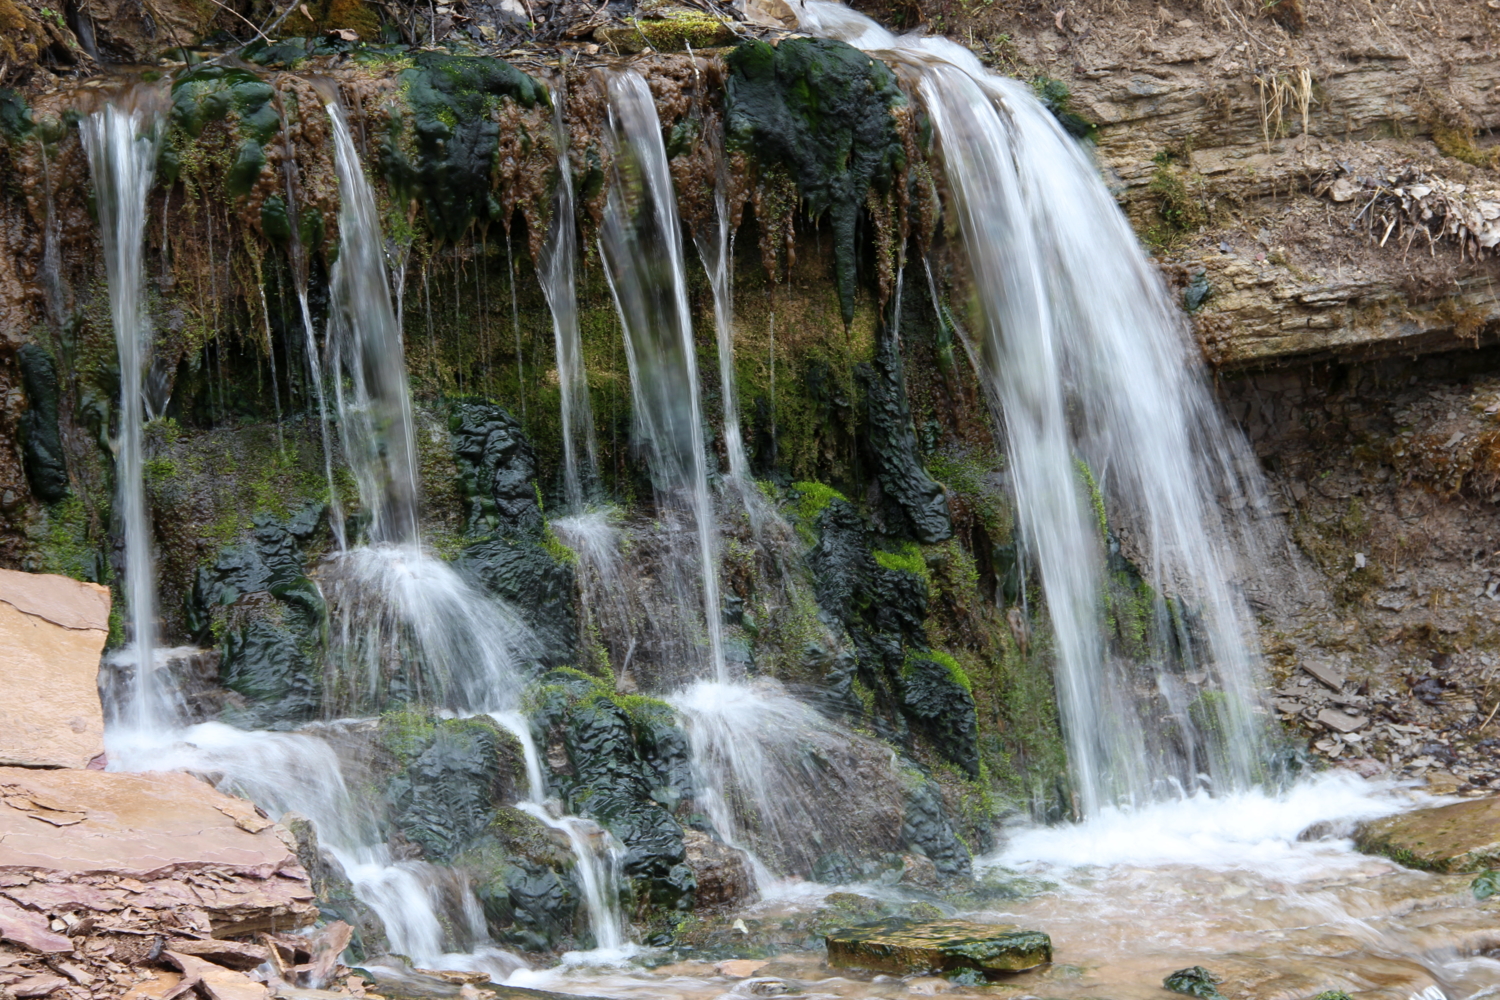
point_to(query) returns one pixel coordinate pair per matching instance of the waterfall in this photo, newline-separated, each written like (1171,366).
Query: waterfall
(121,149)
(556,270)
(1087,361)
(716,248)
(642,249)
(375,411)
(597,855)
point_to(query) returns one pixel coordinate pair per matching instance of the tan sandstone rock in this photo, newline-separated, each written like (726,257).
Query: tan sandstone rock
(52,630)
(143,851)
(1462,837)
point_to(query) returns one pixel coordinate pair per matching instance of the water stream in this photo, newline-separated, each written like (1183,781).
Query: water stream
(1095,379)
(642,248)
(121,146)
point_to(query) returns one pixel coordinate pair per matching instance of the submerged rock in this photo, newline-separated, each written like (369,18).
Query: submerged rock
(1462,837)
(903,946)
(1194,982)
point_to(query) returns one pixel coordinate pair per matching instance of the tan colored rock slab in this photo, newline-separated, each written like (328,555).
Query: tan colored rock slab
(905,946)
(215,981)
(740,968)
(52,631)
(122,846)
(1462,837)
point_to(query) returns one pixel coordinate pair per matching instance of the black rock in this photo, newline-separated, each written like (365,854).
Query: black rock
(941,707)
(926,827)
(41,443)
(497,470)
(893,443)
(537,585)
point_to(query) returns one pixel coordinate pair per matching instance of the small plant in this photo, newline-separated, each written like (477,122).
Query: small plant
(1056,97)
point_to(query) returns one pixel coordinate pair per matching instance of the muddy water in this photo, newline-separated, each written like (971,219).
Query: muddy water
(1226,884)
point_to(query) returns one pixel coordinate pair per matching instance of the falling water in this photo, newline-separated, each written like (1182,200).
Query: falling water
(597,855)
(375,411)
(121,148)
(1087,361)
(557,266)
(642,245)
(716,248)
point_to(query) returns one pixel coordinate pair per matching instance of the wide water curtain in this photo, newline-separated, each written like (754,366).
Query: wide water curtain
(642,243)
(121,148)
(1118,456)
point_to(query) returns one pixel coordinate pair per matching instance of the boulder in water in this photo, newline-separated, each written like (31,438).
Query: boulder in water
(903,946)
(1461,837)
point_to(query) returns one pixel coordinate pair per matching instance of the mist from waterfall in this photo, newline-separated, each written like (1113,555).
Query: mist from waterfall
(121,146)
(641,241)
(1092,374)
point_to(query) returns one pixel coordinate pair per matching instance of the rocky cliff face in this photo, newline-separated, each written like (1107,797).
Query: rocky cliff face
(1317,184)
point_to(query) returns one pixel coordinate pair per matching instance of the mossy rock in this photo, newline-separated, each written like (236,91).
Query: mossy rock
(666,31)
(950,946)
(822,109)
(41,442)
(218,93)
(15,115)
(1458,838)
(442,153)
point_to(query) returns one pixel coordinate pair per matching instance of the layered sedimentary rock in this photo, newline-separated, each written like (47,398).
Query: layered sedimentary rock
(52,630)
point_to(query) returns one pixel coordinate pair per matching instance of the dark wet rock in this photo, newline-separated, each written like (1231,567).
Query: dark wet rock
(537,585)
(893,444)
(270,616)
(927,828)
(522,875)
(1461,837)
(335,893)
(722,873)
(950,946)
(1194,982)
(497,470)
(841,560)
(936,698)
(455,774)
(41,443)
(613,787)
(821,108)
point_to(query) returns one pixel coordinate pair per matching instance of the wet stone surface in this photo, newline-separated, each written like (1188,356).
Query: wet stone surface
(903,946)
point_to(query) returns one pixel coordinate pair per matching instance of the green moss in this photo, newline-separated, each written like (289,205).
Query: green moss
(1486,884)
(65,547)
(907,559)
(555,547)
(1179,210)
(1058,100)
(405,734)
(1096,497)
(822,109)
(441,151)
(948,663)
(812,499)
(218,93)
(669,32)
(15,115)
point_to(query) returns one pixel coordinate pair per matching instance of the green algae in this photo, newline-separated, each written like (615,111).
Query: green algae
(15,115)
(212,94)
(441,152)
(822,109)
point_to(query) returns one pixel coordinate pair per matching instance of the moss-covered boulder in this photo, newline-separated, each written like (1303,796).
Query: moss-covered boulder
(903,946)
(442,151)
(821,109)
(936,697)
(216,93)
(497,470)
(1461,837)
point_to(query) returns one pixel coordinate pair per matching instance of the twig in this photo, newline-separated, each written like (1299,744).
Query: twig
(1486,722)
(242,17)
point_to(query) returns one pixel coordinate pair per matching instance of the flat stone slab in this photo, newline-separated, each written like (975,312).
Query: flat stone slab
(904,946)
(52,630)
(144,851)
(1457,838)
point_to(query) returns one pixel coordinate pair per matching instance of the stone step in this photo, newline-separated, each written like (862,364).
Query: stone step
(1453,839)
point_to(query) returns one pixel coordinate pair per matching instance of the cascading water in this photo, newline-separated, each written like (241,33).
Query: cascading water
(1087,362)
(121,147)
(556,270)
(375,415)
(716,248)
(642,248)
(597,855)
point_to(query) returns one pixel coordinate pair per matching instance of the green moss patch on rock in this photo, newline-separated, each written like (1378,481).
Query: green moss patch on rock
(442,150)
(212,94)
(950,946)
(821,109)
